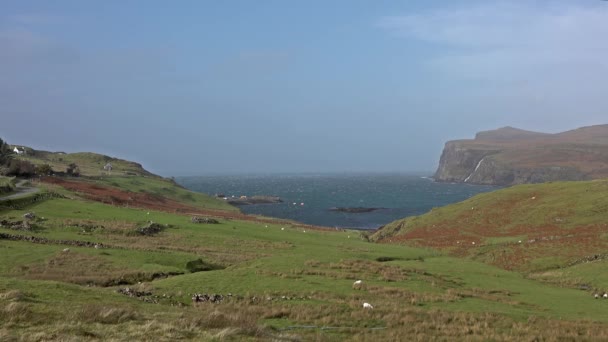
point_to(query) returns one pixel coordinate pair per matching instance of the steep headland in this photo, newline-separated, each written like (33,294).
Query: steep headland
(509,156)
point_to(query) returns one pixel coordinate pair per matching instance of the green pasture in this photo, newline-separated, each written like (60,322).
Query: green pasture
(261,264)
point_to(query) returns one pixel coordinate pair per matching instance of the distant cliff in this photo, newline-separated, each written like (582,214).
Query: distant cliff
(513,156)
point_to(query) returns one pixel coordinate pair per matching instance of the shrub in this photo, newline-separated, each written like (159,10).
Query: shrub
(5,153)
(21,168)
(73,170)
(44,170)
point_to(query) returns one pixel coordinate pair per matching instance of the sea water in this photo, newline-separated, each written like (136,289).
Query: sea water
(308,198)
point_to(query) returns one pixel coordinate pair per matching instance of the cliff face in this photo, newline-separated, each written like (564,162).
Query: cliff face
(510,156)
(458,161)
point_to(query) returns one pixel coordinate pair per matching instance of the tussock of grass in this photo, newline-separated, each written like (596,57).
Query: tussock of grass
(106,314)
(12,295)
(230,319)
(15,312)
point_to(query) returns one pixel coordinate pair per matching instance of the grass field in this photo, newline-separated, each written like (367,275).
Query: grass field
(286,282)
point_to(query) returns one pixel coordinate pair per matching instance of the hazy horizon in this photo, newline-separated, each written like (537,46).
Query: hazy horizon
(237,87)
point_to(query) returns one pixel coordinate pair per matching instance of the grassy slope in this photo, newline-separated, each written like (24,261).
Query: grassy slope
(557,223)
(90,164)
(163,188)
(126,176)
(419,292)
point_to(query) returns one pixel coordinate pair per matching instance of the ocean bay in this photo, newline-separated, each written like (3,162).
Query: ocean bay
(309,198)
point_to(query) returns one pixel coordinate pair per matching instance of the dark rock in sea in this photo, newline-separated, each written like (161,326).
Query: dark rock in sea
(354,210)
(244,200)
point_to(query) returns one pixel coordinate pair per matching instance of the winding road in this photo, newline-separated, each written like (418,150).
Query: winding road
(20,191)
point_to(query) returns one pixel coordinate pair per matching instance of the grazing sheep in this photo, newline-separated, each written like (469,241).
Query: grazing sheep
(357,284)
(367,306)
(596,296)
(605,295)
(282,228)
(65,250)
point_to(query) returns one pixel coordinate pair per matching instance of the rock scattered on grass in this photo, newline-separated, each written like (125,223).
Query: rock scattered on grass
(29,216)
(204,220)
(16,225)
(151,228)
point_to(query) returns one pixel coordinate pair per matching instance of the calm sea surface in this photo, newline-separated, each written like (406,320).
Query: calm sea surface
(399,195)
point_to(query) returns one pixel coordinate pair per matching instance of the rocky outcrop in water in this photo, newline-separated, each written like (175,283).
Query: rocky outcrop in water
(245,200)
(354,210)
(511,156)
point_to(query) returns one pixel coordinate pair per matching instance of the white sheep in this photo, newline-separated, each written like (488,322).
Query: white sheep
(367,306)
(357,284)
(596,296)
(605,295)
(65,250)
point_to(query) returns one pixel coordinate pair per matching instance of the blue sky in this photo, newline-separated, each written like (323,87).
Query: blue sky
(194,87)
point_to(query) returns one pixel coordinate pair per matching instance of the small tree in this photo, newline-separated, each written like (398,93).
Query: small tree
(44,170)
(21,168)
(5,153)
(73,170)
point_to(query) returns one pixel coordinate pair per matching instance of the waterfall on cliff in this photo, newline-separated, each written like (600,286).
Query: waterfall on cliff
(476,167)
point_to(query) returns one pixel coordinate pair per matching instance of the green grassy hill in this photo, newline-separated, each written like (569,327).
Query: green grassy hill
(90,266)
(128,183)
(530,228)
(90,164)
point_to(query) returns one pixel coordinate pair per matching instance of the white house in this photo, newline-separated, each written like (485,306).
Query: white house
(108,167)
(18,151)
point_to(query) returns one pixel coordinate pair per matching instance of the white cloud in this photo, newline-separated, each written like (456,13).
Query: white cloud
(506,41)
